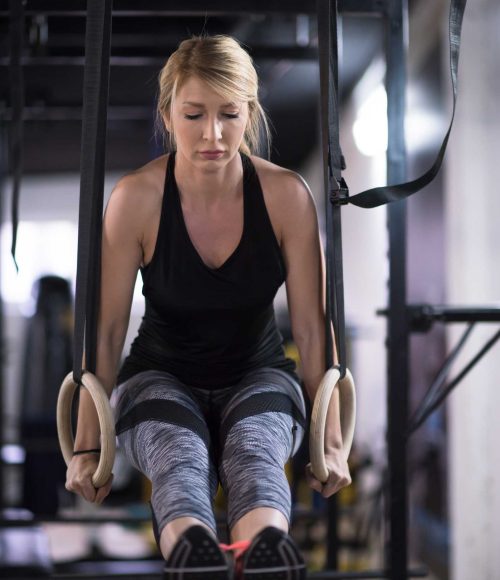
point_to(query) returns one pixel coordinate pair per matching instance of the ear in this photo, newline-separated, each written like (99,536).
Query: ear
(167,122)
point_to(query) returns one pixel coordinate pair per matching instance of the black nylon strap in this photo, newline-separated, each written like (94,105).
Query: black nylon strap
(16,28)
(258,404)
(337,192)
(164,411)
(387,194)
(95,99)
(332,156)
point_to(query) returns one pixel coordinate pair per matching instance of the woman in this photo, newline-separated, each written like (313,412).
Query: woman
(206,393)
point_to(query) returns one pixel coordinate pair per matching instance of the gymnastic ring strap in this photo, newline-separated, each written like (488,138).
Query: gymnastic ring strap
(92,164)
(106,423)
(16,34)
(347,401)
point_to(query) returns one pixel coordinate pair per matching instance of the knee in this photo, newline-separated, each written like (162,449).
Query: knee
(266,438)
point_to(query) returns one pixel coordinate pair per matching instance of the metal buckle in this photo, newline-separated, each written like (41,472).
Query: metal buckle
(340,196)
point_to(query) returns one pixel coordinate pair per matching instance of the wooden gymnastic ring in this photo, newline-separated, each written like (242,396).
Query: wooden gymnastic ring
(347,401)
(106,423)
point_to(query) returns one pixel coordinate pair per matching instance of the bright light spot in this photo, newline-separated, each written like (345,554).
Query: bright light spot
(43,248)
(424,129)
(370,127)
(13,454)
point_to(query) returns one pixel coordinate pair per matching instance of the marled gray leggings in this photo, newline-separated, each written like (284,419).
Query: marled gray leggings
(186,439)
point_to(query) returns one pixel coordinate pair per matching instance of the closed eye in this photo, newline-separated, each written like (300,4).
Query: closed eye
(226,115)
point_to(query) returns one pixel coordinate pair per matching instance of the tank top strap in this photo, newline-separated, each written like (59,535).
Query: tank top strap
(167,212)
(256,213)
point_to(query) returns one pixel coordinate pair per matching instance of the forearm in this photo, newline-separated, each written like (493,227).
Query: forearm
(88,430)
(312,370)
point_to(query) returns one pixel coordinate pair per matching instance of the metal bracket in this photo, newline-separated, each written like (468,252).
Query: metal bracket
(340,196)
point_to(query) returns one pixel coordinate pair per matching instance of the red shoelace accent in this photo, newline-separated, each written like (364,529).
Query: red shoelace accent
(238,549)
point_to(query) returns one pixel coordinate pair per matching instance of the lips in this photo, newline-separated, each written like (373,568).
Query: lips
(212,154)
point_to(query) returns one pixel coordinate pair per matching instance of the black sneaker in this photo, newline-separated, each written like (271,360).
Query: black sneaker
(273,555)
(196,556)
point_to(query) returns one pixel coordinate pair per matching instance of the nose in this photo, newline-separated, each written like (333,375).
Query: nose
(212,130)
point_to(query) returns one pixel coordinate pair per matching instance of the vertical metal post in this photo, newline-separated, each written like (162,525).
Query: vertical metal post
(3,349)
(398,332)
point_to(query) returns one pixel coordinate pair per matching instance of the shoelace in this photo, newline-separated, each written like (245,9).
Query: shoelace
(238,549)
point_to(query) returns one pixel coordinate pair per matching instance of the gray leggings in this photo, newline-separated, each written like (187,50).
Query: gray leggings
(186,440)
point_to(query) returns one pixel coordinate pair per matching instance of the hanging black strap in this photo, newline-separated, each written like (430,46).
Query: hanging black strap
(332,157)
(337,193)
(16,28)
(95,100)
(382,195)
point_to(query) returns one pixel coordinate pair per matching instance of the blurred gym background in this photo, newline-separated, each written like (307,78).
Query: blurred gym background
(453,243)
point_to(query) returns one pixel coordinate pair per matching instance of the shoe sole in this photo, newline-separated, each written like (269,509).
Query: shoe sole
(274,556)
(197,557)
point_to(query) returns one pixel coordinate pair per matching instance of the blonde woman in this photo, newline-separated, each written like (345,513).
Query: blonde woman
(206,394)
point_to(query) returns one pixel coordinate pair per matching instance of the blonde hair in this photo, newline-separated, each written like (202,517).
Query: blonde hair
(228,69)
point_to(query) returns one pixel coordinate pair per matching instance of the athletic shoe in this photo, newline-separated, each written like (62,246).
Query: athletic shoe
(196,556)
(272,555)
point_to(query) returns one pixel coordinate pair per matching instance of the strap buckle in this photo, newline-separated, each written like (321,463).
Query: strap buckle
(340,196)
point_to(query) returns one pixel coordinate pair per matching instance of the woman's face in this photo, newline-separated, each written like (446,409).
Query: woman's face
(208,129)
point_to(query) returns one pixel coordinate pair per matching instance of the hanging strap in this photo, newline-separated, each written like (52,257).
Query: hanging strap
(382,195)
(333,182)
(16,28)
(337,193)
(95,100)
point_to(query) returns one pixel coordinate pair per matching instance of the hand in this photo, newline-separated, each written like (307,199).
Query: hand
(79,478)
(338,474)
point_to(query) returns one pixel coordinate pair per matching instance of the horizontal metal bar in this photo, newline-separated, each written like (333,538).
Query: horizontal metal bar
(327,575)
(421,316)
(462,314)
(130,8)
(37,521)
(152,575)
(52,113)
(297,53)
(101,576)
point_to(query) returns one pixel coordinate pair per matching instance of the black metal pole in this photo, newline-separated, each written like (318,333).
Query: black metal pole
(398,328)
(3,348)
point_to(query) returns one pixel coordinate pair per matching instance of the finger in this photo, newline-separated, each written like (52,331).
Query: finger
(87,490)
(103,491)
(312,481)
(335,484)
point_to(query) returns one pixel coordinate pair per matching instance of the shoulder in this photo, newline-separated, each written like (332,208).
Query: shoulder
(143,185)
(286,193)
(138,194)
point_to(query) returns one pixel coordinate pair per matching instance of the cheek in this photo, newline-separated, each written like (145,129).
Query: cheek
(184,129)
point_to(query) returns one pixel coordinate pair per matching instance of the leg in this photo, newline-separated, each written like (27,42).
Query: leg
(253,474)
(262,426)
(163,433)
(260,432)
(249,525)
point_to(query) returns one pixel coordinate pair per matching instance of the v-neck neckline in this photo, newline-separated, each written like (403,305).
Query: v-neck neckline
(236,250)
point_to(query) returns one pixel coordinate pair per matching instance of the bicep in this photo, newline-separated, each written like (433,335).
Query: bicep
(121,258)
(305,267)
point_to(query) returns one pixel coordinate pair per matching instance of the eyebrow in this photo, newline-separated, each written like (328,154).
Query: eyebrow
(202,106)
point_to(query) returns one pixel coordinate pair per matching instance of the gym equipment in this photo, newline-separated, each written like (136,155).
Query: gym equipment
(106,422)
(347,399)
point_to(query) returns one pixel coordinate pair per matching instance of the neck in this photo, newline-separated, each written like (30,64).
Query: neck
(208,186)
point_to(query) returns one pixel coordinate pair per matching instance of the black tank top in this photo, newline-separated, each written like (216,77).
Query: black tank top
(210,326)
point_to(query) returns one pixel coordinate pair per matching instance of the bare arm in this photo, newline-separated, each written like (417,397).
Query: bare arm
(305,285)
(121,257)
